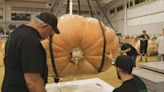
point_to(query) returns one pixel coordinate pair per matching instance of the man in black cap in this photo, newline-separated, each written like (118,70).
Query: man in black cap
(25,58)
(131,83)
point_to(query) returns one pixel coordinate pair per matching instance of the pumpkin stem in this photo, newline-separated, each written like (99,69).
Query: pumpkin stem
(77,55)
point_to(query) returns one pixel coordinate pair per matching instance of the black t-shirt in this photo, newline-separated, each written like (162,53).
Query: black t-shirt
(24,54)
(132,52)
(133,85)
(144,43)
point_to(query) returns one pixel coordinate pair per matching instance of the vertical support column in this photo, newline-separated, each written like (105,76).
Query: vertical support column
(70,7)
(4,16)
(79,7)
(125,17)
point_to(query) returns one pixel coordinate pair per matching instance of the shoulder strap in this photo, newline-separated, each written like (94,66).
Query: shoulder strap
(104,47)
(56,78)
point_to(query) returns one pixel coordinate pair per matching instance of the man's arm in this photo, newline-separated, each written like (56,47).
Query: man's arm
(141,37)
(34,82)
(127,50)
(146,37)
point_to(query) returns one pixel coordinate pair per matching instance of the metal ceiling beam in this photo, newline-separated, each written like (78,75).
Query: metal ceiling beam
(110,4)
(104,14)
(32,0)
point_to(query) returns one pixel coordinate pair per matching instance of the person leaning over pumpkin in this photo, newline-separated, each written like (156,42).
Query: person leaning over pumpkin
(25,58)
(129,50)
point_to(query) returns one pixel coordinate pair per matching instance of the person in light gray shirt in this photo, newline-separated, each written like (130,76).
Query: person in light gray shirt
(160,46)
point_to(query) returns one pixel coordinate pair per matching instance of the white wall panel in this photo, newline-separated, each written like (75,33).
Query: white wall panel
(148,16)
(119,26)
(117,16)
(146,9)
(154,28)
(149,19)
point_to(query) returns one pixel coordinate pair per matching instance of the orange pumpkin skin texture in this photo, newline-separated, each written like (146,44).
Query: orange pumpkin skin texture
(84,33)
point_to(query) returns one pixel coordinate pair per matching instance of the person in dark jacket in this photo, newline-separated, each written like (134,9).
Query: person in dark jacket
(143,45)
(130,51)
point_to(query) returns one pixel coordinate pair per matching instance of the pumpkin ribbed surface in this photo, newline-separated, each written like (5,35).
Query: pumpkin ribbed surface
(80,36)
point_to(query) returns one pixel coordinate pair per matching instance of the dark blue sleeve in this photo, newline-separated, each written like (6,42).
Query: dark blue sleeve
(125,46)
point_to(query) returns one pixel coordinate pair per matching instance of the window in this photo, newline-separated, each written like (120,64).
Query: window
(112,11)
(139,1)
(127,5)
(75,11)
(131,3)
(29,9)
(1,17)
(84,12)
(20,16)
(120,8)
(98,13)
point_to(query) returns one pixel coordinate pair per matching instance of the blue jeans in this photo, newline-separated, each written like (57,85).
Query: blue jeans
(160,57)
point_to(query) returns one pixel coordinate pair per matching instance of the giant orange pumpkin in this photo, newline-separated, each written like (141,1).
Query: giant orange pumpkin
(78,48)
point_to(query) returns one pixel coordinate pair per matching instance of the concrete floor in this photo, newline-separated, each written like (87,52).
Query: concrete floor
(108,76)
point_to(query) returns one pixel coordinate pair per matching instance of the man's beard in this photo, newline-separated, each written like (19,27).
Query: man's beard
(118,75)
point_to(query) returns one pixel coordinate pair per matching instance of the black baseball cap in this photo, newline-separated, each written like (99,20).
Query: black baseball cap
(50,19)
(125,63)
